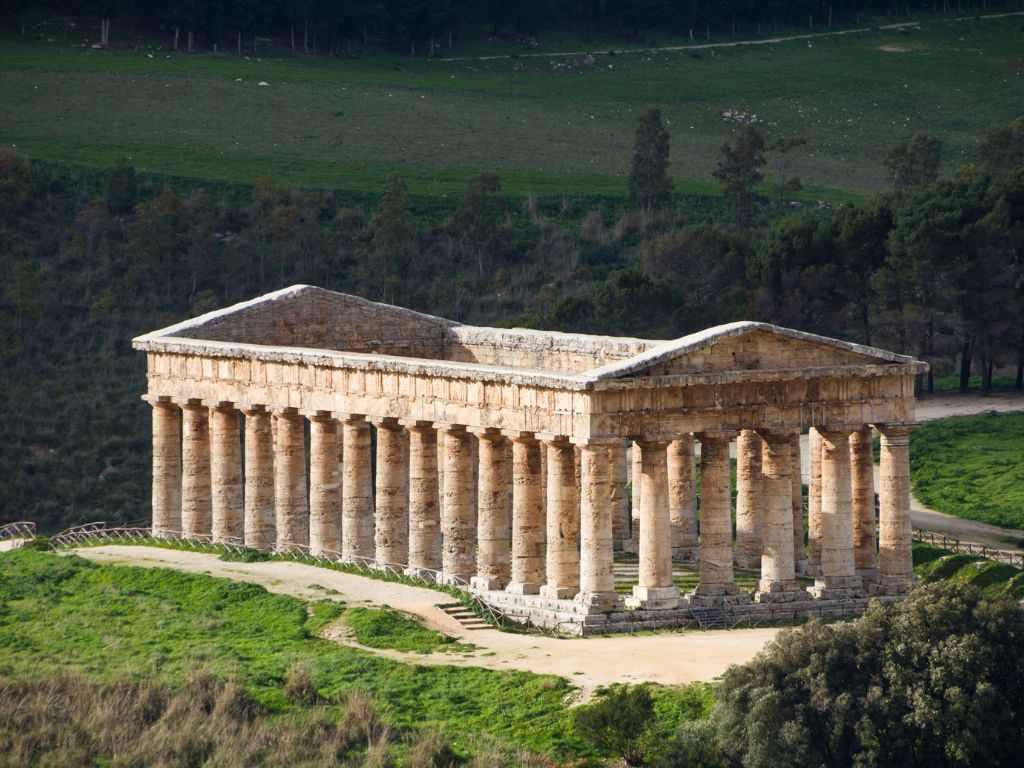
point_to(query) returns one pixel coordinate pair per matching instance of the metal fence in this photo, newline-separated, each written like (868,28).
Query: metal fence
(942,541)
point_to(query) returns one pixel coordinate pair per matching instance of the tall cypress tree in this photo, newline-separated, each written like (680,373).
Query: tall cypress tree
(649,183)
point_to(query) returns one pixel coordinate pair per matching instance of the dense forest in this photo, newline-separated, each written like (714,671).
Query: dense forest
(331,26)
(933,268)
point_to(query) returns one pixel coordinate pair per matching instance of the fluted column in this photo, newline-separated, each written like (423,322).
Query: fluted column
(682,498)
(778,576)
(813,567)
(391,532)
(563,523)
(324,485)
(527,516)
(634,509)
(618,496)
(290,497)
(862,474)
(260,523)
(655,588)
(196,504)
(597,580)
(457,531)
(749,447)
(226,474)
(357,492)
(896,562)
(799,556)
(166,468)
(838,578)
(716,585)
(493,560)
(424,501)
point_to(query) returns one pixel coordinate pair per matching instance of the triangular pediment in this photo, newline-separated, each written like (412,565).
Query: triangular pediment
(747,346)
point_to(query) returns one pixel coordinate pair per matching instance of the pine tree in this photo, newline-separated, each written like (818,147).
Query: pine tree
(738,169)
(649,183)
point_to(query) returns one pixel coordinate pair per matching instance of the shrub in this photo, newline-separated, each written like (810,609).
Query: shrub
(620,722)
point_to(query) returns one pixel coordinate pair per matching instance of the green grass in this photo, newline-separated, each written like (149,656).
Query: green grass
(972,467)
(346,123)
(387,628)
(994,579)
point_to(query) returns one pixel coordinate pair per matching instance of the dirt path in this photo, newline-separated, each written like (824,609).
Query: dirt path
(733,44)
(668,658)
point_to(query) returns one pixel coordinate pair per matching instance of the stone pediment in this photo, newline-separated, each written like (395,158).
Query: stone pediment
(747,346)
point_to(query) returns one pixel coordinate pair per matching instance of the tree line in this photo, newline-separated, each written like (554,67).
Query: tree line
(330,26)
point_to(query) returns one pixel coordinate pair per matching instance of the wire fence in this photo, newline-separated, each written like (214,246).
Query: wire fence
(942,541)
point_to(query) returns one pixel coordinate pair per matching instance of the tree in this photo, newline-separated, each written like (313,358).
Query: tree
(1003,150)
(739,171)
(391,229)
(935,680)
(914,164)
(649,183)
(121,187)
(619,723)
(782,148)
(476,218)
(23,293)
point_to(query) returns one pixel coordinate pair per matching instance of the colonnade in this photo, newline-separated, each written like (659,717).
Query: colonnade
(535,514)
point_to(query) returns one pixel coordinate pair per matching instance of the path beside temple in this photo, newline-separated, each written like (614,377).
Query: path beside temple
(668,658)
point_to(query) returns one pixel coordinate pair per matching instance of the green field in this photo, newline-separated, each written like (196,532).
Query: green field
(972,466)
(346,123)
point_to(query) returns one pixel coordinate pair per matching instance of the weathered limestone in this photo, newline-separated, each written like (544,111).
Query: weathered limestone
(597,580)
(862,478)
(749,447)
(778,576)
(457,532)
(324,485)
(196,504)
(634,478)
(391,529)
(424,502)
(226,475)
(682,498)
(655,589)
(290,498)
(799,556)
(618,494)
(813,567)
(357,541)
(838,578)
(166,468)
(563,523)
(896,562)
(493,562)
(260,524)
(527,516)
(715,585)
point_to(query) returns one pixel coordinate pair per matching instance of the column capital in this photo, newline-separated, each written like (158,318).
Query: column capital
(551,439)
(286,411)
(354,419)
(454,429)
(594,442)
(386,422)
(318,415)
(253,409)
(836,433)
(658,442)
(189,402)
(486,433)
(520,436)
(895,430)
(709,435)
(416,424)
(220,405)
(158,399)
(781,434)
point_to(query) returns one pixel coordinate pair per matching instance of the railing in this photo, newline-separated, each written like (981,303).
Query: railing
(19,530)
(942,541)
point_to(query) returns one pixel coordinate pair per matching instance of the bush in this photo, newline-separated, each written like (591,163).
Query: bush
(619,723)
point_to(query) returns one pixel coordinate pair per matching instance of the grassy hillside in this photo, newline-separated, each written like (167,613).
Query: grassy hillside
(548,129)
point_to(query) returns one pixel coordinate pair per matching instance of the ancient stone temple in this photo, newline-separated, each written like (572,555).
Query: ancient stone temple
(515,462)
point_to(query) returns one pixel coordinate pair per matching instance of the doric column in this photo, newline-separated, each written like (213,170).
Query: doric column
(716,585)
(290,497)
(324,485)
(597,581)
(862,480)
(424,501)
(493,559)
(799,556)
(749,447)
(391,532)
(166,467)
(260,528)
(655,588)
(563,523)
(618,496)
(226,474)
(527,516)
(357,491)
(838,578)
(896,562)
(778,576)
(682,498)
(457,532)
(634,510)
(196,505)
(813,567)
